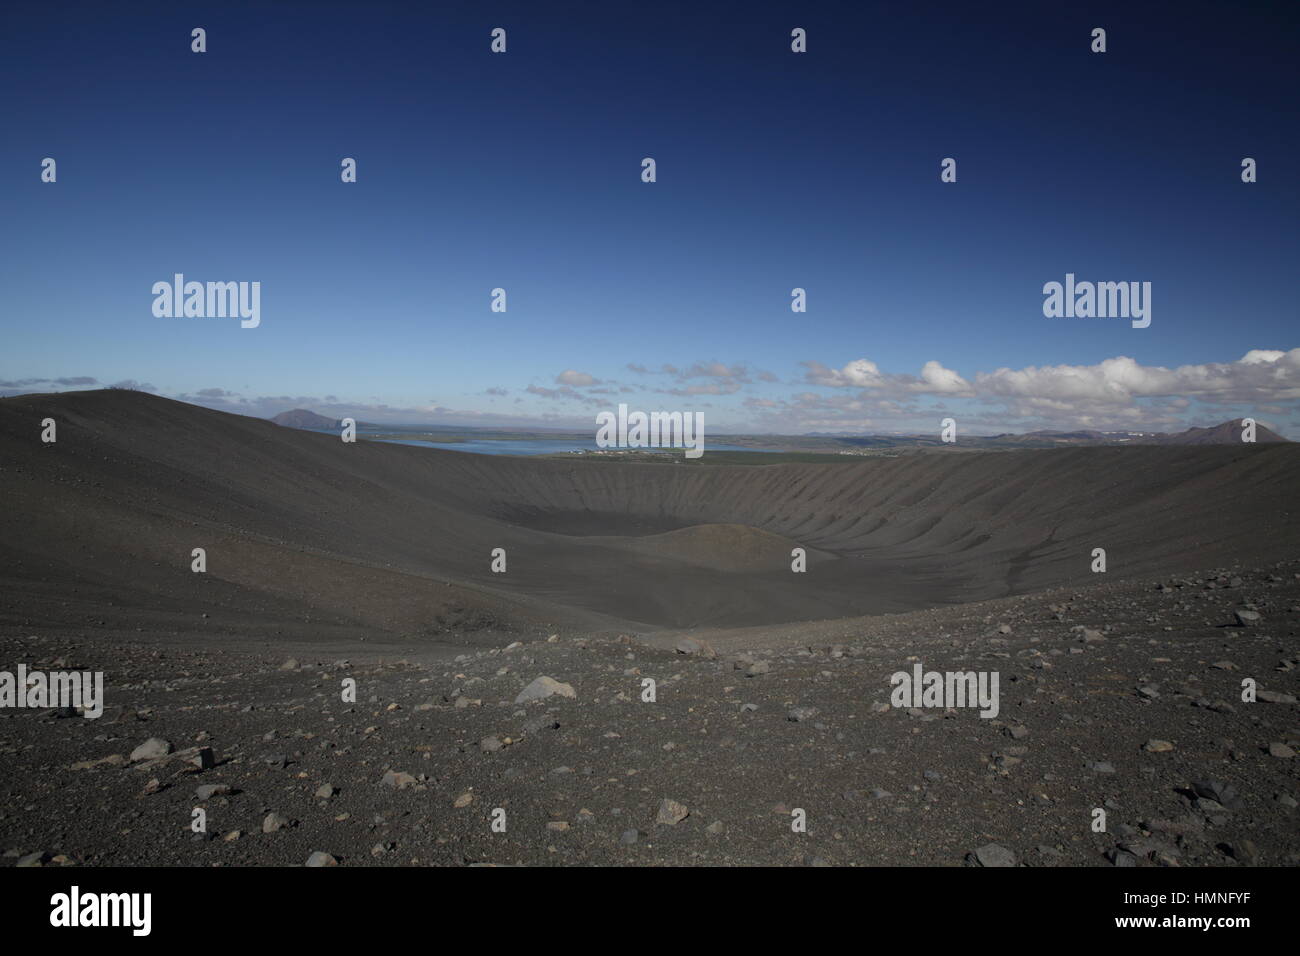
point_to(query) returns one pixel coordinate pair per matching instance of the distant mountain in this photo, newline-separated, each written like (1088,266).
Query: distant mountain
(1081,435)
(1229,433)
(301,418)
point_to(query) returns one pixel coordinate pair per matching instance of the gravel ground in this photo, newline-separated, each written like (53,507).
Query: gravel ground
(1122,697)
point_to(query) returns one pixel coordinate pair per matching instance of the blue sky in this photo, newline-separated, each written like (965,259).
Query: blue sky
(775,170)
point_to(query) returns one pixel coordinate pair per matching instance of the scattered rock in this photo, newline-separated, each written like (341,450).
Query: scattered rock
(1221,793)
(993,854)
(398,780)
(691,647)
(201,758)
(544,687)
(151,749)
(1274,697)
(275,822)
(671,812)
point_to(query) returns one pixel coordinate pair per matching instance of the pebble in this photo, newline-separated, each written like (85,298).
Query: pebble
(1221,793)
(274,822)
(398,780)
(671,812)
(993,854)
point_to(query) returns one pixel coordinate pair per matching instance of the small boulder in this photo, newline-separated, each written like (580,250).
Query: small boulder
(274,822)
(993,854)
(544,687)
(398,780)
(671,813)
(151,749)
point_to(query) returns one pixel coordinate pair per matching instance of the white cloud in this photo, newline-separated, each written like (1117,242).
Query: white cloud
(1258,376)
(575,378)
(860,373)
(942,381)
(864,373)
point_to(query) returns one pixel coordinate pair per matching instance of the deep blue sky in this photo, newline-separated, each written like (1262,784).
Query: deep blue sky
(775,170)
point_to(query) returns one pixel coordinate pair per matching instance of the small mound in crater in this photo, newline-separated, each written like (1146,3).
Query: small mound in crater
(723,547)
(576,523)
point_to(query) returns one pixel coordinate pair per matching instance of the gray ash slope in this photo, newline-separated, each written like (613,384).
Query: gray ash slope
(379,553)
(413,772)
(306,535)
